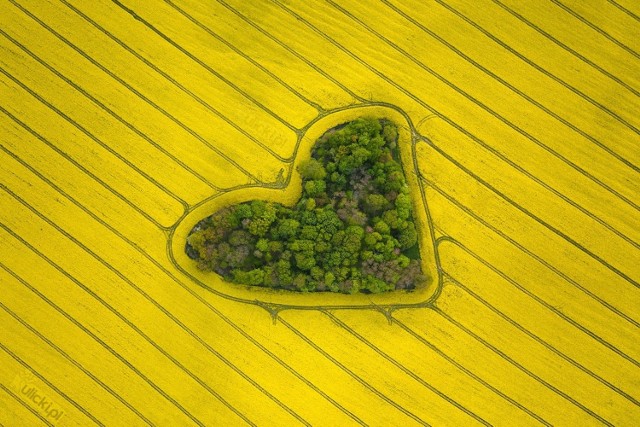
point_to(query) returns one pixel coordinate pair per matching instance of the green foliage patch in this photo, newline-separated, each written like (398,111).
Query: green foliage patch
(351,231)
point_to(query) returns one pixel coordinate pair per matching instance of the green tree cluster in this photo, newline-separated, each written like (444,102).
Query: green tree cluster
(351,231)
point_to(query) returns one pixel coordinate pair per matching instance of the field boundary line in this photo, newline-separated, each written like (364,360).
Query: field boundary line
(73,162)
(351,373)
(530,62)
(98,340)
(137,93)
(467,371)
(534,178)
(174,82)
(398,365)
(291,51)
(528,252)
(420,101)
(181,325)
(159,266)
(228,321)
(543,342)
(485,183)
(595,27)
(545,304)
(118,234)
(520,92)
(110,308)
(548,226)
(625,10)
(474,100)
(147,24)
(106,225)
(519,366)
(247,57)
(548,307)
(524,58)
(71,360)
(87,133)
(97,140)
(17,399)
(110,112)
(560,44)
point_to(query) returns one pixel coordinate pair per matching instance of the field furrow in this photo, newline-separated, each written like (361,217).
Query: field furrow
(586,112)
(19,378)
(204,90)
(541,238)
(433,368)
(605,208)
(553,21)
(12,408)
(432,330)
(141,352)
(450,101)
(606,18)
(173,339)
(260,87)
(627,6)
(160,168)
(539,279)
(142,114)
(31,124)
(552,59)
(534,359)
(123,123)
(223,24)
(296,392)
(517,108)
(78,392)
(419,400)
(551,330)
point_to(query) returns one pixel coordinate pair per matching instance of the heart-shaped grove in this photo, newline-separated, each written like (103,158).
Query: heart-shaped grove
(352,230)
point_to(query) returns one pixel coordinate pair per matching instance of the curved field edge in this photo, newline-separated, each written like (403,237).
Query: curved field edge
(288,195)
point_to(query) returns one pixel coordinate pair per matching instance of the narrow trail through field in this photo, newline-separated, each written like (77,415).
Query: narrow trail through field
(122,119)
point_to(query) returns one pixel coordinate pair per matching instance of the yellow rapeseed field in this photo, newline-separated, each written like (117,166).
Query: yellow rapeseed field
(125,122)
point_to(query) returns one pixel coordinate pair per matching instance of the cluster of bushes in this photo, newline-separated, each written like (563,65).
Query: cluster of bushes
(351,231)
